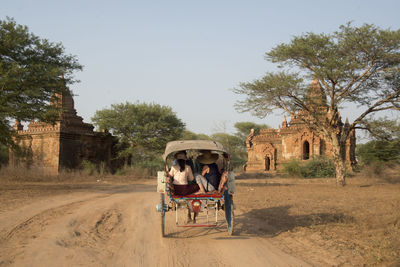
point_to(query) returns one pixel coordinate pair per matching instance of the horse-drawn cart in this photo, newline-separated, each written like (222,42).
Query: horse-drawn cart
(208,203)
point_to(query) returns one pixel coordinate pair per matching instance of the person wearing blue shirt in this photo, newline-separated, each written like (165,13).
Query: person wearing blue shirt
(209,179)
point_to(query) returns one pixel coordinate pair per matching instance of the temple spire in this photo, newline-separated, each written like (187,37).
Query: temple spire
(64,101)
(315,94)
(284,122)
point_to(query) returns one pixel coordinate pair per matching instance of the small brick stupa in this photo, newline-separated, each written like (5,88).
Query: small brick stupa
(52,148)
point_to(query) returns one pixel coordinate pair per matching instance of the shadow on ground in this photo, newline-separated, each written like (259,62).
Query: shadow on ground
(267,222)
(255,175)
(261,184)
(275,220)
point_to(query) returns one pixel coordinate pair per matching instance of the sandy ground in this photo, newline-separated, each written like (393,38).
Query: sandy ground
(278,222)
(117,225)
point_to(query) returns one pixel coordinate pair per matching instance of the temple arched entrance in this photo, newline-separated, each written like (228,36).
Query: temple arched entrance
(306,150)
(267,163)
(322,147)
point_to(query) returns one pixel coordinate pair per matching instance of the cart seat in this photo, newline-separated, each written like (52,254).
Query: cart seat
(199,196)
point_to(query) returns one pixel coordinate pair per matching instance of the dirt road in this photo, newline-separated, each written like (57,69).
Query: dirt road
(117,225)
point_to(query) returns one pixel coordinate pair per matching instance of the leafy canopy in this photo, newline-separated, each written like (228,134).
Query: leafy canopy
(243,129)
(235,146)
(32,70)
(383,129)
(236,143)
(359,65)
(189,135)
(145,127)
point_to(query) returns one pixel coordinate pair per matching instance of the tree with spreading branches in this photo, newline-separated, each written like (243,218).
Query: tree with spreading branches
(32,72)
(357,66)
(143,129)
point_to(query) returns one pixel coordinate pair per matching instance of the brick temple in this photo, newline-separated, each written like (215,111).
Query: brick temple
(268,150)
(62,146)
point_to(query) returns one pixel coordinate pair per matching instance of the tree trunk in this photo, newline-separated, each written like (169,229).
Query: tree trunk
(340,171)
(338,160)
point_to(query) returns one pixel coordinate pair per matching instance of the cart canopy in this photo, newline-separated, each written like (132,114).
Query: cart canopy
(176,146)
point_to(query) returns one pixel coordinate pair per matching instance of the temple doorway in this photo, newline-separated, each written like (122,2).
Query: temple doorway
(322,147)
(267,163)
(306,150)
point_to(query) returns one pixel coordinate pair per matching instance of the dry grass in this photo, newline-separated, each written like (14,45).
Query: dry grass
(355,225)
(388,172)
(34,175)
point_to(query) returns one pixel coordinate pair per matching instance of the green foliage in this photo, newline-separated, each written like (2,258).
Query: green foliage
(313,168)
(318,167)
(188,135)
(152,164)
(356,65)
(243,129)
(235,146)
(150,126)
(3,155)
(230,142)
(292,168)
(89,167)
(378,151)
(377,156)
(32,70)
(143,130)
(382,129)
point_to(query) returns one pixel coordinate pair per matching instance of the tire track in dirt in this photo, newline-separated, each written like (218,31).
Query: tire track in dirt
(122,228)
(40,220)
(23,234)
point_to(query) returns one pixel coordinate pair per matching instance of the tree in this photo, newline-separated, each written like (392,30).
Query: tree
(243,129)
(378,151)
(385,143)
(383,129)
(189,135)
(32,70)
(357,66)
(234,145)
(143,129)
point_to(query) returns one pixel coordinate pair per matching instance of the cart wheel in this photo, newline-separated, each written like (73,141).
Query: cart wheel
(229,213)
(162,215)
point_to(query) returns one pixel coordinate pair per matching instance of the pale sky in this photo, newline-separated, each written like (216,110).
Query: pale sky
(184,54)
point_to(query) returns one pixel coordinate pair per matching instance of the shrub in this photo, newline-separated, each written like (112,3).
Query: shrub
(89,167)
(378,151)
(313,168)
(293,168)
(149,167)
(318,167)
